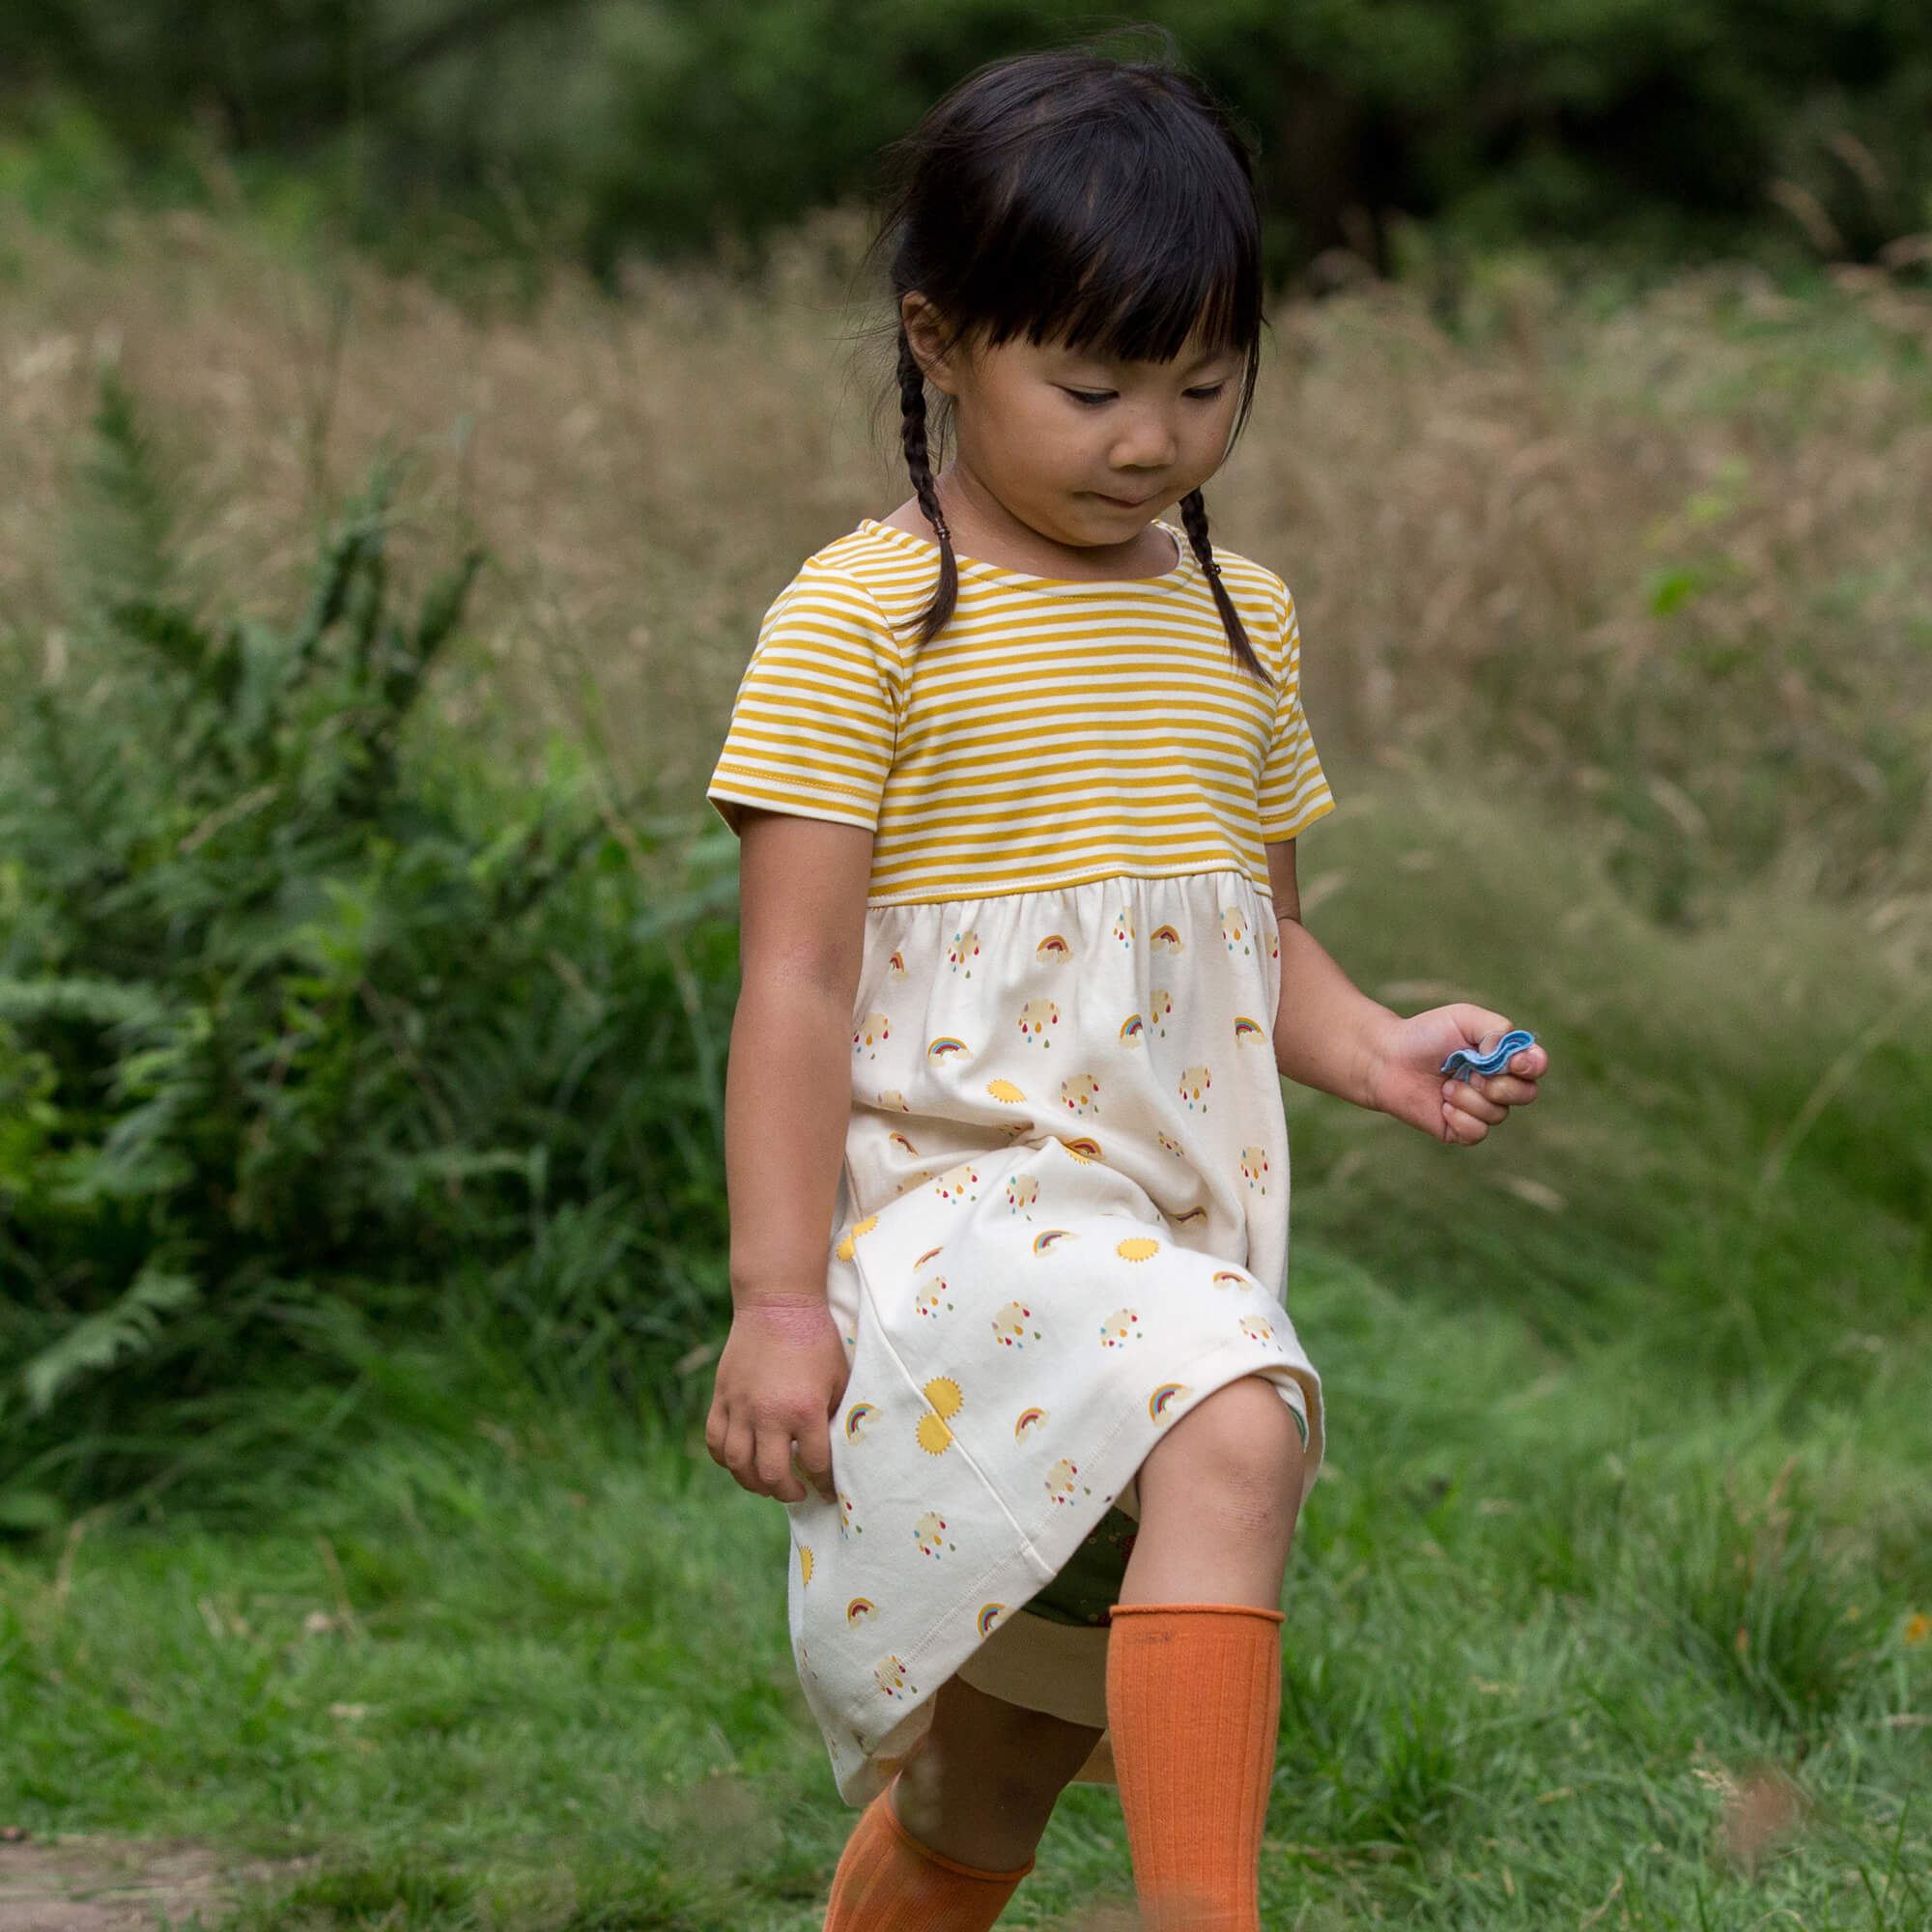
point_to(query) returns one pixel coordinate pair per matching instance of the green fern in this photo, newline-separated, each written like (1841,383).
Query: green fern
(130,1327)
(125,534)
(307,999)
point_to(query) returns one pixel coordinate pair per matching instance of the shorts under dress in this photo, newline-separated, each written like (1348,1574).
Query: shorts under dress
(1063,1218)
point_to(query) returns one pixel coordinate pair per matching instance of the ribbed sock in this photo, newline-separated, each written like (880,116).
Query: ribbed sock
(1193,1702)
(887,1881)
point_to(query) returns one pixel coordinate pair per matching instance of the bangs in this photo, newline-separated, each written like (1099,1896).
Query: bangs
(1128,253)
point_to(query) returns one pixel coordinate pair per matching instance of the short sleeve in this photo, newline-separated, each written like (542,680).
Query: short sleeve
(1294,792)
(817,716)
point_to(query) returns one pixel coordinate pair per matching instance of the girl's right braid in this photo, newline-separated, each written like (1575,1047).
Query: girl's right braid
(912,409)
(1194,521)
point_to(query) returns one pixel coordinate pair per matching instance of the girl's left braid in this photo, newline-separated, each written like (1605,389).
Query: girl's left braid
(1194,519)
(919,462)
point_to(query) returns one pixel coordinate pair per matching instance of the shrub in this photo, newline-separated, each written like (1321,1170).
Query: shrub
(669,124)
(296,1016)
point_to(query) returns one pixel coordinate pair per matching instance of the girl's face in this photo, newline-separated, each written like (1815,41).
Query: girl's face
(1085,449)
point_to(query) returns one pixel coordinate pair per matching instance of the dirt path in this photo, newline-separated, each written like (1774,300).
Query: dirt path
(110,1885)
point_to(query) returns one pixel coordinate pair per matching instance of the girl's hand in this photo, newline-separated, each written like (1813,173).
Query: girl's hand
(1407,1080)
(780,1381)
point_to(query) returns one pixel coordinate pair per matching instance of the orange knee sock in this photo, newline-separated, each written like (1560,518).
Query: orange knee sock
(887,1881)
(1193,1702)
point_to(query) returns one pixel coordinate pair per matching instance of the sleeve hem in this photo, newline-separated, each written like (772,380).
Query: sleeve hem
(1275,833)
(727,804)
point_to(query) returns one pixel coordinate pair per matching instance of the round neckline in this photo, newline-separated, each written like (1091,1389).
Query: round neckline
(1183,569)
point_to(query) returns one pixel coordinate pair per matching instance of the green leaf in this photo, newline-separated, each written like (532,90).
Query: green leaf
(130,1327)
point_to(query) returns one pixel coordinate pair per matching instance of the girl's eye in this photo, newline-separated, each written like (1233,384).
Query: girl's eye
(1207,392)
(1093,398)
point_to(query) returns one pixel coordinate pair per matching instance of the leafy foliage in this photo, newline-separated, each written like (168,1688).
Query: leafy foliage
(669,124)
(291,1023)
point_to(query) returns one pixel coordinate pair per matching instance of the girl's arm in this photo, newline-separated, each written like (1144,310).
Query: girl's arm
(787,1100)
(1328,1034)
(788,1082)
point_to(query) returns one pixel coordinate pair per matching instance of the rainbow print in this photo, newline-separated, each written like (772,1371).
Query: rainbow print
(946,1049)
(1131,1030)
(1166,1393)
(1192,1215)
(897,966)
(1228,1278)
(1052,947)
(1166,940)
(856,1419)
(930,1255)
(1025,1422)
(1247,1030)
(1051,1239)
(899,1140)
(989,1615)
(859,1610)
(1083,1148)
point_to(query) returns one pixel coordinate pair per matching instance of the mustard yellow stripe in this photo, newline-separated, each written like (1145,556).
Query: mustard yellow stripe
(773,709)
(1017,696)
(1154,831)
(993,883)
(862,770)
(1035,715)
(1222,806)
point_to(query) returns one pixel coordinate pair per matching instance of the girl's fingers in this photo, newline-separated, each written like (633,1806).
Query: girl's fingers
(1508,1089)
(773,1466)
(814,1458)
(1461,1127)
(734,1451)
(1467,1096)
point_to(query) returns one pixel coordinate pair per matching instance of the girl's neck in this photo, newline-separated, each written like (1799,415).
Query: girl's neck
(984,530)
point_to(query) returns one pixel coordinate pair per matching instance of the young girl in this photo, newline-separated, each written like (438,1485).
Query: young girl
(1018,771)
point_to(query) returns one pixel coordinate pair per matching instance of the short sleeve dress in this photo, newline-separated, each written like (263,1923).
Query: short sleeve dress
(1063,1218)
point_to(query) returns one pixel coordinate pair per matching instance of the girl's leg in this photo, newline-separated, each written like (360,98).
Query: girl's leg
(1219,1493)
(1194,1658)
(944,1847)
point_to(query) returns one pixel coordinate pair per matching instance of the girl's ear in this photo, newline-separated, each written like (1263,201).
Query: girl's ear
(930,344)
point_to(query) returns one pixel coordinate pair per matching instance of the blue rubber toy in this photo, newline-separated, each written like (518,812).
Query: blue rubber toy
(1466,1062)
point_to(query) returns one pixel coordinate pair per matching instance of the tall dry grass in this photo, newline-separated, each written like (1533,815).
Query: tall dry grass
(1664,561)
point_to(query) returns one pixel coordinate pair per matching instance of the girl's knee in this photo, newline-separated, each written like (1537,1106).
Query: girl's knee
(1240,1448)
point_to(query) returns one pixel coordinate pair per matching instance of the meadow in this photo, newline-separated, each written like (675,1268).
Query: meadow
(1615,1606)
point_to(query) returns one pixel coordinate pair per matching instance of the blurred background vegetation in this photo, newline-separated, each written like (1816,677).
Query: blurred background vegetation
(605,128)
(408,411)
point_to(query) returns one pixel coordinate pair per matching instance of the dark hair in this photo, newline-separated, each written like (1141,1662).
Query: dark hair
(1072,198)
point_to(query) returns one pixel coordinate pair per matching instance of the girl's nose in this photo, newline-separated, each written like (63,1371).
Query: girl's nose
(1146,441)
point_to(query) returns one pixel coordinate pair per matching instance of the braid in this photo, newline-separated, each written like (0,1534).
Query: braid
(1194,519)
(912,409)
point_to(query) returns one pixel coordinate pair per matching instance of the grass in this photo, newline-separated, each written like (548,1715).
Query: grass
(1596,1609)
(539,1677)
